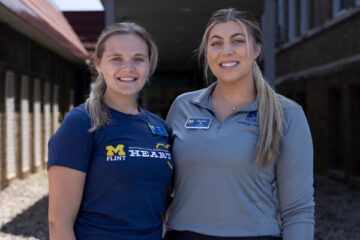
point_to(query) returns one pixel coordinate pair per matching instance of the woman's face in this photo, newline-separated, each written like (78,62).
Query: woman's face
(228,56)
(124,65)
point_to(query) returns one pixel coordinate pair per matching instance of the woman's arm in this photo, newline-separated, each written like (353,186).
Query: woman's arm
(294,174)
(65,193)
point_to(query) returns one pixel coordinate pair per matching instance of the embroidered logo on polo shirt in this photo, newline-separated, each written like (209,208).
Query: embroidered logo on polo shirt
(115,154)
(166,147)
(251,119)
(162,145)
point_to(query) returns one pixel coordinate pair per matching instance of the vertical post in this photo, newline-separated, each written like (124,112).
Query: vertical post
(47,119)
(110,12)
(347,116)
(10,121)
(2,127)
(55,108)
(292,20)
(269,41)
(37,122)
(25,125)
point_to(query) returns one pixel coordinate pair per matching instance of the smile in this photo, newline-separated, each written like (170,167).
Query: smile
(127,79)
(229,64)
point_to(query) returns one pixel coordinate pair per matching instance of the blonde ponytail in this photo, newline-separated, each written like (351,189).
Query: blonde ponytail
(95,106)
(270,120)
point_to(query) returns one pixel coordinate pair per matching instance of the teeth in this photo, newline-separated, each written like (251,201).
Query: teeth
(228,64)
(127,79)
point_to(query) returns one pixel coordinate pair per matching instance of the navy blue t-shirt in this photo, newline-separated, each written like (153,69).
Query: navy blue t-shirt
(127,167)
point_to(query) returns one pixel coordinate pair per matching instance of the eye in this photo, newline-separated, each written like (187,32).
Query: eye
(239,41)
(116,59)
(139,59)
(216,43)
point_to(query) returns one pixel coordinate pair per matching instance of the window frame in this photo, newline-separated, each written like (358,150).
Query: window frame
(336,7)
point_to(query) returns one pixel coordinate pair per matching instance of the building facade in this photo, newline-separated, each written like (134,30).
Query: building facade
(318,65)
(42,76)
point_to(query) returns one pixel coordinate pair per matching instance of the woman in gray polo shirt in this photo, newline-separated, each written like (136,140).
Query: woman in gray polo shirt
(243,154)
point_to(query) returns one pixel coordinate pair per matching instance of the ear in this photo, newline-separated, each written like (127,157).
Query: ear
(257,50)
(97,64)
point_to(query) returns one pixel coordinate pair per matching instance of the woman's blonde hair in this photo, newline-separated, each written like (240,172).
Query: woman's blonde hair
(95,106)
(270,111)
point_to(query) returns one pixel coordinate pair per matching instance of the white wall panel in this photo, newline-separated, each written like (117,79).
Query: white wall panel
(47,117)
(37,122)
(25,124)
(10,122)
(55,103)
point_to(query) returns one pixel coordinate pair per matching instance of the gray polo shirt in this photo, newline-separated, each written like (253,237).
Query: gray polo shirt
(219,190)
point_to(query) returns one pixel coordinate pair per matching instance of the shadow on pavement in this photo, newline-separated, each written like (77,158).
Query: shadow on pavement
(33,222)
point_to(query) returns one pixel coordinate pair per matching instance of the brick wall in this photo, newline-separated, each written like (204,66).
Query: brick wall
(332,107)
(320,12)
(334,43)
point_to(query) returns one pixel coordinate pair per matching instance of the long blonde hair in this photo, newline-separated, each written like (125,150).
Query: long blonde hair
(270,111)
(95,105)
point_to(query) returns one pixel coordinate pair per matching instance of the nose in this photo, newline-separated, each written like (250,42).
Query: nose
(128,65)
(228,49)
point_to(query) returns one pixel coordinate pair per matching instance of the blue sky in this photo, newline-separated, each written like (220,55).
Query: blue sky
(78,5)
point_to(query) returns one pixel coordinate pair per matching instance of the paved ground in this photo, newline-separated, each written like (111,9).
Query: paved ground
(23,206)
(23,214)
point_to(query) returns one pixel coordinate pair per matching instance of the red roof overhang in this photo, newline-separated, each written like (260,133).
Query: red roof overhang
(41,15)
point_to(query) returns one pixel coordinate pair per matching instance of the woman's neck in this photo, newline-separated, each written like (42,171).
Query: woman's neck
(124,104)
(236,95)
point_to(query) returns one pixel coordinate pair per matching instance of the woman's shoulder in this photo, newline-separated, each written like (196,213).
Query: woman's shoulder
(288,104)
(78,116)
(293,113)
(76,123)
(154,118)
(189,96)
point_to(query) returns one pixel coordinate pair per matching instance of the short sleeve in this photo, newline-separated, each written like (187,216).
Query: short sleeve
(294,173)
(171,114)
(71,145)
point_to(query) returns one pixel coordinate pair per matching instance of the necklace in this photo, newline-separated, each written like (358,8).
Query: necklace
(234,108)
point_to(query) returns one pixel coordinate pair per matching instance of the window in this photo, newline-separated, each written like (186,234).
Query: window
(298,17)
(292,19)
(304,16)
(357,2)
(338,7)
(280,21)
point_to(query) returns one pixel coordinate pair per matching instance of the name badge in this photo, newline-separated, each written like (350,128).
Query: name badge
(198,123)
(158,130)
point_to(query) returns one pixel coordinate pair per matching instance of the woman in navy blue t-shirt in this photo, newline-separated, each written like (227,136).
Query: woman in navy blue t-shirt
(109,162)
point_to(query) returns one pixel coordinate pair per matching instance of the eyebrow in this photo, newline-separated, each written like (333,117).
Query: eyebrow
(136,55)
(141,55)
(234,35)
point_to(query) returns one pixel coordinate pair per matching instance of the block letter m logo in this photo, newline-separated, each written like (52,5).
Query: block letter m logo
(119,150)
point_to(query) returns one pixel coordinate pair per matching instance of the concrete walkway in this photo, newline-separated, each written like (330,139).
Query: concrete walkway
(24,203)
